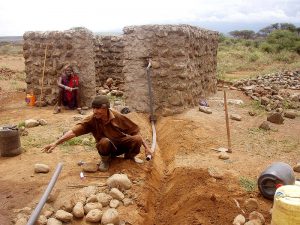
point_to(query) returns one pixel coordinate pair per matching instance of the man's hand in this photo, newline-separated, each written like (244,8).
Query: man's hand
(49,148)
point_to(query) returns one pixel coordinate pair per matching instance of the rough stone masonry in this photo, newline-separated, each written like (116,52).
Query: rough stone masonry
(184,60)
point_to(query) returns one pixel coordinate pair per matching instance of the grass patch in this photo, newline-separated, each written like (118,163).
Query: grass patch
(11,49)
(248,184)
(247,61)
(82,140)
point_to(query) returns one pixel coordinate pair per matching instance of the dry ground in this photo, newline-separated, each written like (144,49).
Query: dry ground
(173,188)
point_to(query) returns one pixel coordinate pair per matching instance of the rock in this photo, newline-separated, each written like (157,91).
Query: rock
(109,81)
(215,173)
(26,210)
(63,216)
(257,216)
(119,181)
(21,221)
(297,168)
(66,204)
(90,167)
(224,155)
(42,122)
(275,118)
(127,201)
(116,194)
(53,221)
(205,109)
(48,213)
(94,216)
(265,126)
(92,198)
(88,191)
(31,123)
(251,113)
(289,114)
(42,220)
(114,203)
(264,101)
(253,222)
(41,168)
(78,210)
(239,220)
(40,104)
(104,199)
(235,117)
(251,204)
(110,216)
(92,205)
(53,196)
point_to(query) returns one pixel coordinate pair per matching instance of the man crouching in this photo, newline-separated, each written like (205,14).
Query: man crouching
(114,133)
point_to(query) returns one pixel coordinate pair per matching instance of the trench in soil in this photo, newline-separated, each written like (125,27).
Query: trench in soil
(180,189)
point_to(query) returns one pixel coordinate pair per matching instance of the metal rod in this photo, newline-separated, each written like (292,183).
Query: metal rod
(41,96)
(227,123)
(44,198)
(150,91)
(152,117)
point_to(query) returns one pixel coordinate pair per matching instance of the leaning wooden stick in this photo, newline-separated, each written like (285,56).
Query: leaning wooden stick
(227,123)
(45,56)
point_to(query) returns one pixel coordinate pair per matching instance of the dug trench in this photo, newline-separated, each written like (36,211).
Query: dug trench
(181,190)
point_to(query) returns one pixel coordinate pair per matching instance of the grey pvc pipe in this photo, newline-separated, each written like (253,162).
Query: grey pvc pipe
(44,198)
(149,157)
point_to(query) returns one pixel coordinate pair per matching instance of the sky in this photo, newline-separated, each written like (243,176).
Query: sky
(19,16)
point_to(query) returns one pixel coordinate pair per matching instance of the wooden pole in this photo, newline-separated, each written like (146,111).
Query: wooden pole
(45,56)
(227,123)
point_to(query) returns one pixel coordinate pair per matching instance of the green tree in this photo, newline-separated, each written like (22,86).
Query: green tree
(283,39)
(277,26)
(244,34)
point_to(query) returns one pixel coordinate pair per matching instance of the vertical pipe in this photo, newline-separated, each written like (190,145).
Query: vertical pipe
(227,123)
(44,198)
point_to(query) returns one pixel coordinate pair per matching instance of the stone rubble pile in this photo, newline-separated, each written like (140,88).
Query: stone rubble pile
(95,204)
(275,92)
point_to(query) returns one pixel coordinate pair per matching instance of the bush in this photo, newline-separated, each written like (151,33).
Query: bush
(283,40)
(285,56)
(297,47)
(267,47)
(253,57)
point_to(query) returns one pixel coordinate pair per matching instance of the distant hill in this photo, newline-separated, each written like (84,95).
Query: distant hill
(15,39)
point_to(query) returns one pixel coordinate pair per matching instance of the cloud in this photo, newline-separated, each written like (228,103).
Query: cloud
(18,16)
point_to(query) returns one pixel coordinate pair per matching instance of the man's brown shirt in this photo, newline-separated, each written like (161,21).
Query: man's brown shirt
(115,128)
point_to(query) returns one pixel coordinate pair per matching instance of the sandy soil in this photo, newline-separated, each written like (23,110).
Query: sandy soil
(175,187)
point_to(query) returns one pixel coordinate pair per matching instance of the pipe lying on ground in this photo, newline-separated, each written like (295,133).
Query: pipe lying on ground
(44,198)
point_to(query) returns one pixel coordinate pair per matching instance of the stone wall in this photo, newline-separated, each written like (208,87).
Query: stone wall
(109,59)
(183,66)
(75,47)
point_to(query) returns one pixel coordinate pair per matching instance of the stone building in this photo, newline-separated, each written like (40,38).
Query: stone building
(184,60)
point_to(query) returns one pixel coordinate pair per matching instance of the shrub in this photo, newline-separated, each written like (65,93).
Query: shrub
(253,57)
(283,40)
(267,47)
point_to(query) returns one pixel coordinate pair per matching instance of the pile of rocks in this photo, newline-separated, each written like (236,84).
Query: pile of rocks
(111,87)
(251,206)
(273,91)
(92,203)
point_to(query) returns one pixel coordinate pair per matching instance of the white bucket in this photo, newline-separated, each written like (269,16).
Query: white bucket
(286,209)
